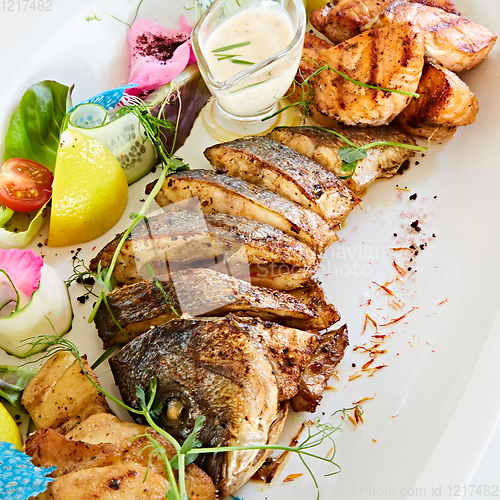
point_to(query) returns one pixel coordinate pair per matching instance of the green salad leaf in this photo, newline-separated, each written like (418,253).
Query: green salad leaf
(13,380)
(35,126)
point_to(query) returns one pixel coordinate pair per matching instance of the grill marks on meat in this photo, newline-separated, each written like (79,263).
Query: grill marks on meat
(326,357)
(343,19)
(276,259)
(391,58)
(323,147)
(280,169)
(453,41)
(445,103)
(227,369)
(202,292)
(225,194)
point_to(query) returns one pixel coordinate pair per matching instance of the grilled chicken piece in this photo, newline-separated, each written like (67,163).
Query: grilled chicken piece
(313,296)
(233,370)
(188,239)
(445,103)
(228,195)
(323,147)
(194,292)
(453,41)
(327,356)
(276,167)
(391,58)
(128,481)
(343,19)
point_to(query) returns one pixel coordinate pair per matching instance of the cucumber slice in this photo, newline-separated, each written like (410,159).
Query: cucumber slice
(49,302)
(123,137)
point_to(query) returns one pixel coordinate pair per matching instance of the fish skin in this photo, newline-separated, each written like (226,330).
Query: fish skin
(326,357)
(445,102)
(225,194)
(233,359)
(323,146)
(391,57)
(266,247)
(276,167)
(139,306)
(455,42)
(343,19)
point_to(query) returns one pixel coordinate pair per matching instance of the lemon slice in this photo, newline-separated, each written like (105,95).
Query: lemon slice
(9,432)
(89,193)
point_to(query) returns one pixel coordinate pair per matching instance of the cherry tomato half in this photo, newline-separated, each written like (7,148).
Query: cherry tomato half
(25,185)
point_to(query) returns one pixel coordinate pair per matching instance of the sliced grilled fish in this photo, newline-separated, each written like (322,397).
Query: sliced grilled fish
(313,296)
(343,19)
(445,103)
(225,194)
(276,259)
(276,167)
(327,356)
(323,147)
(194,292)
(456,43)
(391,58)
(234,371)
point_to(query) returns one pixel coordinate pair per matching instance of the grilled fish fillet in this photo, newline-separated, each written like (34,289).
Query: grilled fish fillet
(342,19)
(456,43)
(276,167)
(235,371)
(194,292)
(313,296)
(391,58)
(327,356)
(276,259)
(323,147)
(445,103)
(225,194)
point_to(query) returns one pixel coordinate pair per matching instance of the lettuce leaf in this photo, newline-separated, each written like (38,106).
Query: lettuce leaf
(13,381)
(35,126)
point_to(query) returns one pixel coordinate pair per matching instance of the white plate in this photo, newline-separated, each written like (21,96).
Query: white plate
(436,406)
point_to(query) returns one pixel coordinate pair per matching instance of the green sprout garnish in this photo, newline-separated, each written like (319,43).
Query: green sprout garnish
(15,290)
(221,57)
(231,47)
(150,409)
(153,126)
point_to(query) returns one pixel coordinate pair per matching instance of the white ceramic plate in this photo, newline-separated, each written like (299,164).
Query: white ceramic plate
(436,405)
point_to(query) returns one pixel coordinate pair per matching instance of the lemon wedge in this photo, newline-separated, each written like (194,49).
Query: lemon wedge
(9,432)
(89,192)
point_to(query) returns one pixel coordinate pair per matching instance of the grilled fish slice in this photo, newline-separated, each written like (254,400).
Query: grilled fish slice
(194,292)
(313,296)
(321,367)
(343,19)
(225,194)
(276,167)
(445,103)
(227,369)
(391,58)
(276,259)
(456,43)
(323,147)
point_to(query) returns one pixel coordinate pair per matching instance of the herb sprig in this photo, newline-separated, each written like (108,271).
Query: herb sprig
(150,408)
(152,126)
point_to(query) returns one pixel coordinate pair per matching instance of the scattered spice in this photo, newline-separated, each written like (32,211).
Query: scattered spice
(291,477)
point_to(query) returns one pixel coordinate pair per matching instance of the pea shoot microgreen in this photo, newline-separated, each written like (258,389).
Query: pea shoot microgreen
(150,408)
(153,126)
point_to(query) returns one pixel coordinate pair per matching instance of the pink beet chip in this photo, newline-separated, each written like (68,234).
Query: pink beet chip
(157,55)
(23,267)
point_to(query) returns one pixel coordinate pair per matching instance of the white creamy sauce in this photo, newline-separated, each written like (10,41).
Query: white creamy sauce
(269,29)
(265,30)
